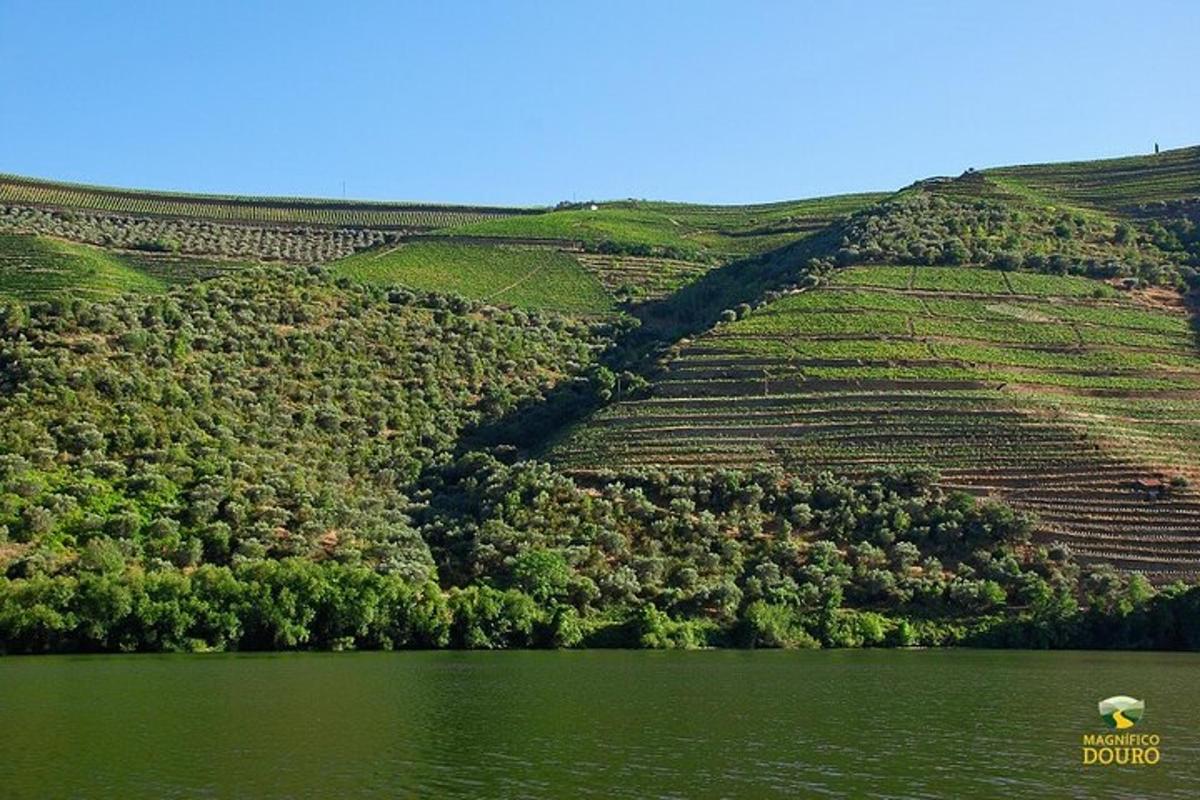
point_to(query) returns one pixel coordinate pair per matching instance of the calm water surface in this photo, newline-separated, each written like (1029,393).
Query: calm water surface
(869,724)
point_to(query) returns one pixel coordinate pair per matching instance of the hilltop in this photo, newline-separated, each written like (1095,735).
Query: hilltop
(612,252)
(943,414)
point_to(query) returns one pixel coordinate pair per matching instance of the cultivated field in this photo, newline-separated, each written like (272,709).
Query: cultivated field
(678,230)
(20,191)
(37,268)
(1038,380)
(194,237)
(528,277)
(636,251)
(1117,184)
(1041,389)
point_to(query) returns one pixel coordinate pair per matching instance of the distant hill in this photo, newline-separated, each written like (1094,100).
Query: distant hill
(16,190)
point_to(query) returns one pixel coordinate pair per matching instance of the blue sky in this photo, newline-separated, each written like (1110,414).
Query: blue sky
(531,103)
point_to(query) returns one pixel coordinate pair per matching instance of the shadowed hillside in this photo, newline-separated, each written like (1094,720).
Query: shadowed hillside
(1023,330)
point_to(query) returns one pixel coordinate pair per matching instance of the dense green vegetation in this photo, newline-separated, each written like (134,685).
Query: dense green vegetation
(626,423)
(528,558)
(928,227)
(1008,383)
(268,461)
(268,415)
(527,277)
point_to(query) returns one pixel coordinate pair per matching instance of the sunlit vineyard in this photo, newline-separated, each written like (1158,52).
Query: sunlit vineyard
(1119,184)
(474,396)
(640,277)
(1036,388)
(34,268)
(679,231)
(16,190)
(526,277)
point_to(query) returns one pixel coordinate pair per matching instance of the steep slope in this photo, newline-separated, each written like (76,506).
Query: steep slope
(526,277)
(300,456)
(576,258)
(271,414)
(273,460)
(1043,390)
(40,268)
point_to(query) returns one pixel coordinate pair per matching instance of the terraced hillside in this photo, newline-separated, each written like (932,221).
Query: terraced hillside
(577,258)
(1116,184)
(1024,332)
(1044,390)
(44,268)
(642,251)
(291,211)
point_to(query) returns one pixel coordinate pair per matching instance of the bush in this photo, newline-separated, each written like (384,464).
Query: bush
(767,625)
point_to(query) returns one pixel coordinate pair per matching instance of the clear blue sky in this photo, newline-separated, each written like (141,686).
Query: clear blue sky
(531,103)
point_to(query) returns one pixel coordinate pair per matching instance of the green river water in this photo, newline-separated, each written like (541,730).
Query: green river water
(603,724)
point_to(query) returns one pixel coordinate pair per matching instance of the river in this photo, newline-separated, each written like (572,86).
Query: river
(602,724)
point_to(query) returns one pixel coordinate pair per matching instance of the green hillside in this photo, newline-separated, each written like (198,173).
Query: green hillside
(695,376)
(268,415)
(527,277)
(273,460)
(1117,185)
(17,190)
(679,230)
(1043,390)
(39,268)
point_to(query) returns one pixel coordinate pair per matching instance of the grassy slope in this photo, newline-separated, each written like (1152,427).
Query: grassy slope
(650,249)
(177,269)
(40,268)
(521,276)
(1040,388)
(694,231)
(643,251)
(1113,185)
